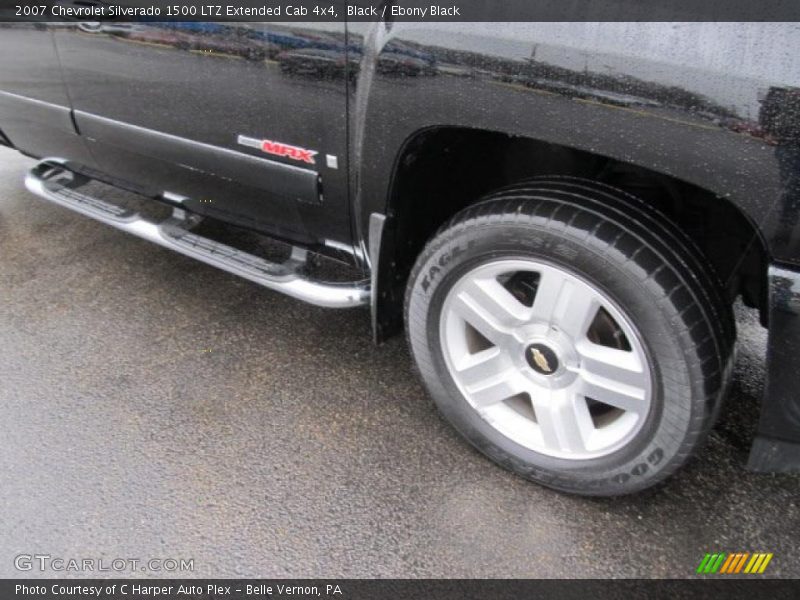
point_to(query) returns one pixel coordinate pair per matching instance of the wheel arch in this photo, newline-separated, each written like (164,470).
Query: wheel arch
(440,170)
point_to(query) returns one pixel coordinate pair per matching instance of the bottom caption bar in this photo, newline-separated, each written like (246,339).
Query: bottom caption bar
(380,589)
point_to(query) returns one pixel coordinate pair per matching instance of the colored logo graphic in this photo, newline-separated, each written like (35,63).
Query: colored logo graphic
(734,563)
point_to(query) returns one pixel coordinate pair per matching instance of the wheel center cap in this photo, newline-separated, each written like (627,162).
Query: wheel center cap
(541,359)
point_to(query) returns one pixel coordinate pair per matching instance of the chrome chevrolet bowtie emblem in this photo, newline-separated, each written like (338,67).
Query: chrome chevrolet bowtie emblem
(541,360)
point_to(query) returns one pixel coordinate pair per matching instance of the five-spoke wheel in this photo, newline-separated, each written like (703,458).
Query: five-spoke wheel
(572,334)
(546,358)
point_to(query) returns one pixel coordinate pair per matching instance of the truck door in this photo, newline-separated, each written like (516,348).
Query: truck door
(245,122)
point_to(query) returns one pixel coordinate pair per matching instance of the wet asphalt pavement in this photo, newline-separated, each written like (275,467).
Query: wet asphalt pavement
(153,407)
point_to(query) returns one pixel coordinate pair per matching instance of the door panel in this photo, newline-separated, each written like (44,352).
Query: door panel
(34,107)
(187,108)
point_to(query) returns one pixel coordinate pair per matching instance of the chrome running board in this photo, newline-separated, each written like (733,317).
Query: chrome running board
(51,180)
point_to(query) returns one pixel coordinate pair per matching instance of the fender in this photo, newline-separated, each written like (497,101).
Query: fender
(702,123)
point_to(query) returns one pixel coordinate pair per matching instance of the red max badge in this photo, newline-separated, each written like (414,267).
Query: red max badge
(279,149)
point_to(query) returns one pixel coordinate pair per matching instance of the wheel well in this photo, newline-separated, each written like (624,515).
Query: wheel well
(442,170)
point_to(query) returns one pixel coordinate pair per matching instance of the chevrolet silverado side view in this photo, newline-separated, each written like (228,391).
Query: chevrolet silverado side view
(559,216)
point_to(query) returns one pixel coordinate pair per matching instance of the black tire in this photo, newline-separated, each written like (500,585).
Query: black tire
(634,255)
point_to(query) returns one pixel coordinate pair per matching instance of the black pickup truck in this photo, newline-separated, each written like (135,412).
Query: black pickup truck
(560,216)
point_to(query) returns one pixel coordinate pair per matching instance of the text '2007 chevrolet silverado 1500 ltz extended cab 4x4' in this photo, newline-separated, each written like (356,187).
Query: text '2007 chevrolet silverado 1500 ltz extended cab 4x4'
(559,216)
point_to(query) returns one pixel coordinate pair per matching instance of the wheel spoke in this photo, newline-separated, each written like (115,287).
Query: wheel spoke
(614,394)
(483,365)
(490,308)
(576,311)
(548,295)
(564,420)
(565,303)
(613,377)
(497,388)
(612,364)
